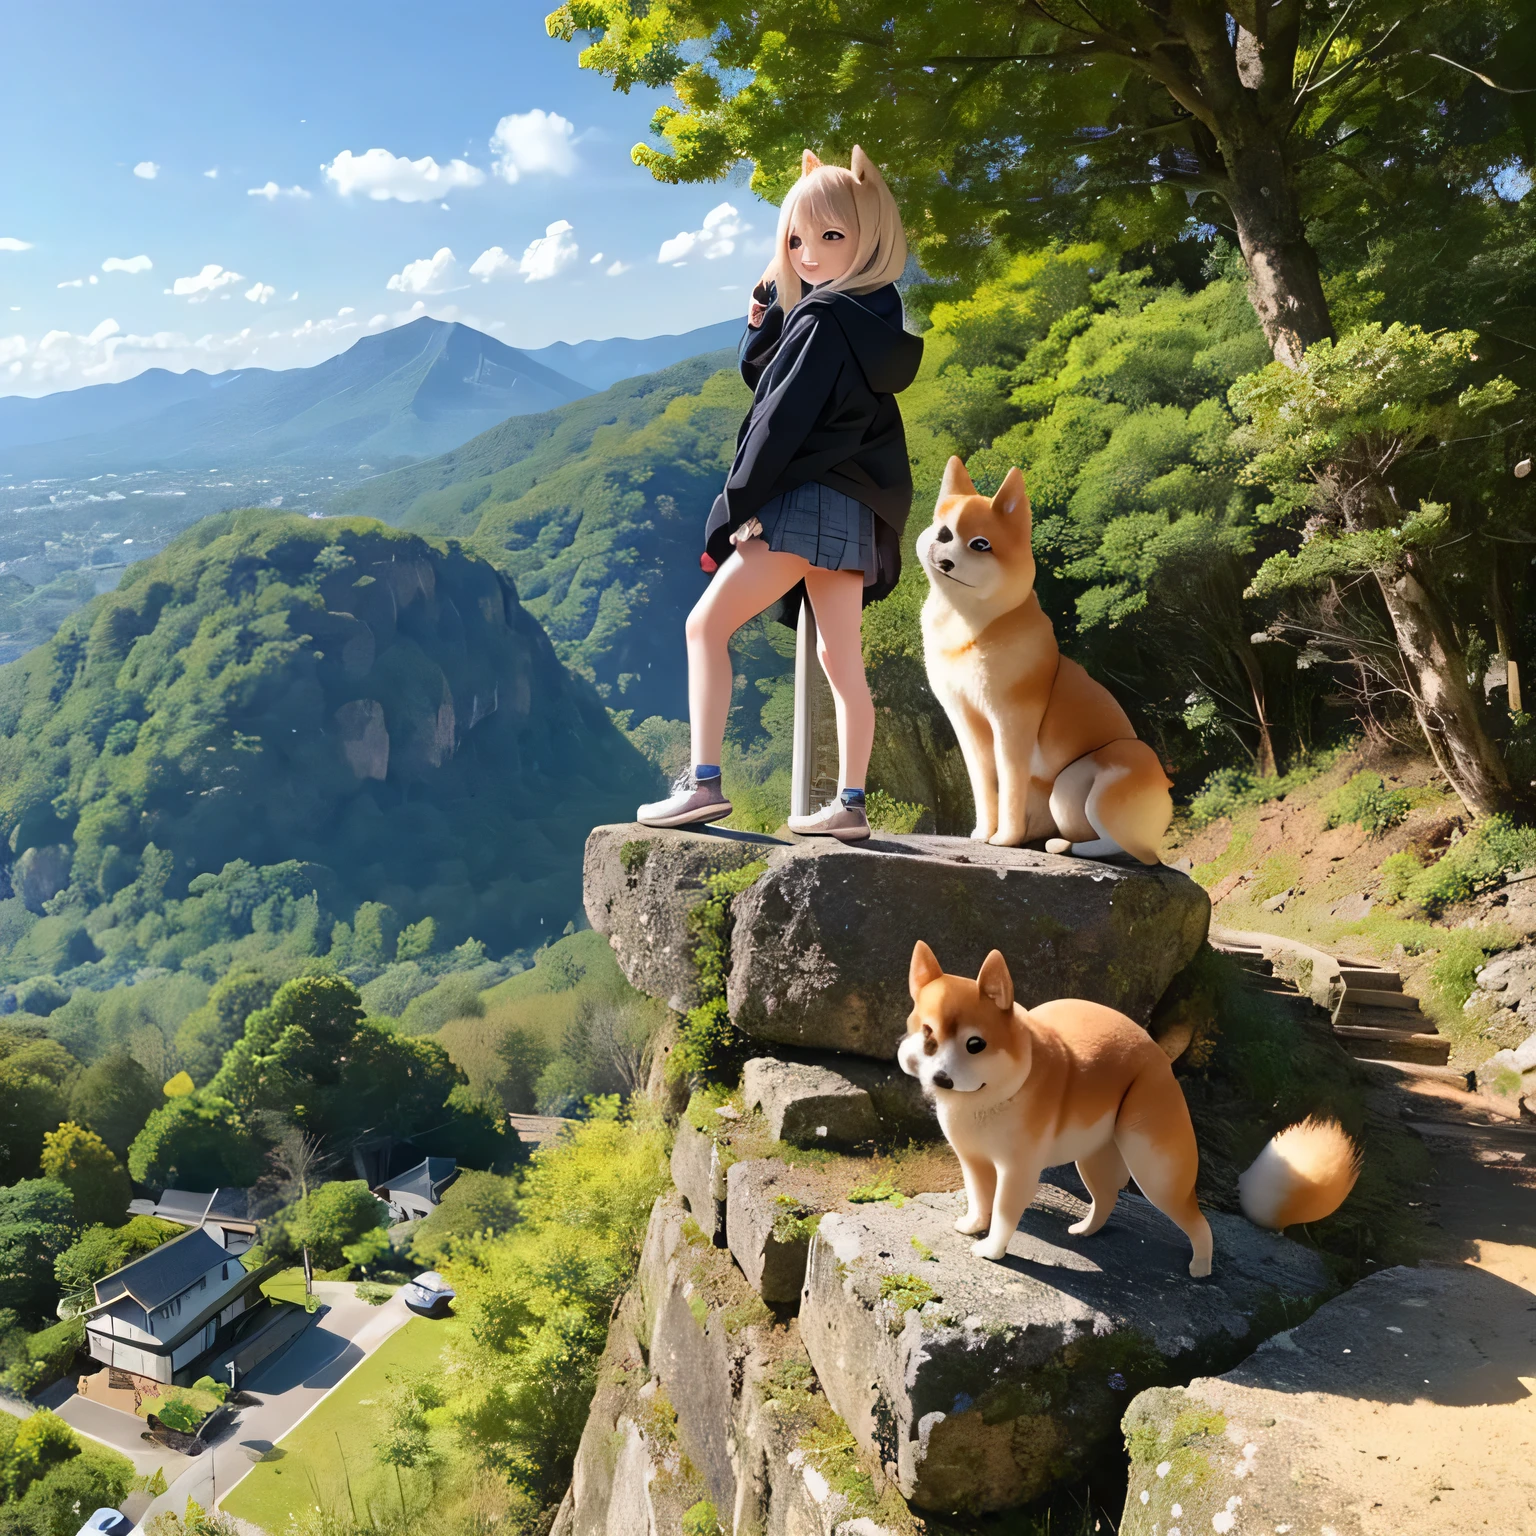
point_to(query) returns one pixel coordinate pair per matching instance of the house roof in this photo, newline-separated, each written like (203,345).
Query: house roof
(191,1207)
(427,1180)
(167,1272)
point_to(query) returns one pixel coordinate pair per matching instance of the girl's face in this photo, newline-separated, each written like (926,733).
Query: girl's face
(820,254)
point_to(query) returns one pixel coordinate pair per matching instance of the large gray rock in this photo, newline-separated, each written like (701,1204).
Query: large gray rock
(771,1212)
(979,1386)
(639,887)
(699,1173)
(808,1106)
(1401,1406)
(822,940)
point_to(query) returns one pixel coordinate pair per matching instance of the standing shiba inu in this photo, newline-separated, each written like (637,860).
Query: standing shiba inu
(1048,750)
(1019,1091)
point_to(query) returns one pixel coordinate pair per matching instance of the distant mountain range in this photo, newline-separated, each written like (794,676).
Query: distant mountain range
(405,394)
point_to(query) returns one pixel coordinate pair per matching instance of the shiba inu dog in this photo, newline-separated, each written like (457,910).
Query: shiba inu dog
(1019,1091)
(1049,752)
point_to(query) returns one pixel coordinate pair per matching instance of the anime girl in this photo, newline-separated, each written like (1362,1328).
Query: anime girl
(820,488)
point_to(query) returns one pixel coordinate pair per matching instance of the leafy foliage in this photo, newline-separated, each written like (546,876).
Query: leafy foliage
(475,1206)
(198,1139)
(81,1161)
(101,1250)
(37,1223)
(328,1220)
(537,1300)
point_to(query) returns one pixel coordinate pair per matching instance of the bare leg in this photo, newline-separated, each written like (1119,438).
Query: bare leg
(837,599)
(1104,1173)
(1015,1189)
(980,1186)
(752,578)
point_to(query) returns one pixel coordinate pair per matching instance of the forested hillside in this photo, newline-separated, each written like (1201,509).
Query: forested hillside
(282,718)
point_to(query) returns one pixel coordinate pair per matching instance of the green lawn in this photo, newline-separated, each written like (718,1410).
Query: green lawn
(334,1447)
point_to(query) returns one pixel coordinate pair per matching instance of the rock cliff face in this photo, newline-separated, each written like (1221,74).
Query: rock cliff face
(811,1347)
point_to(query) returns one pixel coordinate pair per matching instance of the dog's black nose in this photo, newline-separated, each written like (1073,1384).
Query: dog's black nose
(943,1080)
(945,533)
(945,565)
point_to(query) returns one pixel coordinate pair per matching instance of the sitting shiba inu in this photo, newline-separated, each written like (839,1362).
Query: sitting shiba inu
(1049,752)
(1019,1091)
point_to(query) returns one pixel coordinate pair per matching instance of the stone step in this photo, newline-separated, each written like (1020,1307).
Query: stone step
(1370,978)
(1379,1018)
(1366,1041)
(1362,997)
(1423,1069)
(980,1385)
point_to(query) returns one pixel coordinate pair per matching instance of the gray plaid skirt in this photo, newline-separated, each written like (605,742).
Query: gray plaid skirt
(823,526)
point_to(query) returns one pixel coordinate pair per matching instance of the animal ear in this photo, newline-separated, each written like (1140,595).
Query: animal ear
(956,481)
(809,162)
(995,982)
(863,168)
(1012,498)
(925,968)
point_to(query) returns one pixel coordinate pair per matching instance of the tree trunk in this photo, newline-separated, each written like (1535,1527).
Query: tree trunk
(1449,712)
(1264,755)
(1284,285)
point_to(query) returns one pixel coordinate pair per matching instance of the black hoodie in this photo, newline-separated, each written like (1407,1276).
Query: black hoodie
(824,410)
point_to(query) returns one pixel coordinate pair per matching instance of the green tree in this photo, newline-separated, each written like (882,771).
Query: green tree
(475,1205)
(1295,126)
(37,1223)
(35,1078)
(199,1141)
(114,1097)
(417,940)
(326,1221)
(205,1035)
(81,1161)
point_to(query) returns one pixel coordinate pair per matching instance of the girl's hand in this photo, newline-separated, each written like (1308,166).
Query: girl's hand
(755,312)
(751,529)
(762,297)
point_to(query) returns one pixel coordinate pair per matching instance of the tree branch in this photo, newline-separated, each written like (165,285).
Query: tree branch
(1493,85)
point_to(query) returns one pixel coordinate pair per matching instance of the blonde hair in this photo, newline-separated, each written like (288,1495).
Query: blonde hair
(857,200)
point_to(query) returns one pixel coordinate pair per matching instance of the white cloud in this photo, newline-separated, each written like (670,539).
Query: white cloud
(213,174)
(12,347)
(492,263)
(619,268)
(131,264)
(11,243)
(381,176)
(345,310)
(79,282)
(432,274)
(260,293)
(722,227)
(550,254)
(102,331)
(209,280)
(596,260)
(146,170)
(271,191)
(533,143)
(377,321)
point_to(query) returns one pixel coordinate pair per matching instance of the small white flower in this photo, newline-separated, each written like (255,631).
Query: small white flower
(1145,1496)
(1177,1511)
(1222,1522)
(1164,1468)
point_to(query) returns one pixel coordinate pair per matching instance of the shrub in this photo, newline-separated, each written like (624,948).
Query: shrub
(898,816)
(711,1047)
(327,1221)
(81,1161)
(475,1205)
(454,997)
(1492,849)
(198,1141)
(1365,799)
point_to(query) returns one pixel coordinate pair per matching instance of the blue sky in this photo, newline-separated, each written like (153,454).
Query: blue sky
(126,110)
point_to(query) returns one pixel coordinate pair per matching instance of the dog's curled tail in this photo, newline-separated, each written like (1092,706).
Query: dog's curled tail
(1303,1174)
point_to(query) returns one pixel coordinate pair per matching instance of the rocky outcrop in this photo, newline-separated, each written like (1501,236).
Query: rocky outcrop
(771,1215)
(821,941)
(1508,1078)
(698,1171)
(640,887)
(978,1386)
(1385,1412)
(808,1106)
(704,1400)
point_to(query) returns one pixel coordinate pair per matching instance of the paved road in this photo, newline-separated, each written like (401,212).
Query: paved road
(344,1334)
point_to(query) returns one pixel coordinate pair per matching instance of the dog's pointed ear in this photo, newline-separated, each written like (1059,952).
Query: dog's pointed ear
(865,171)
(995,983)
(809,161)
(1012,498)
(956,481)
(925,968)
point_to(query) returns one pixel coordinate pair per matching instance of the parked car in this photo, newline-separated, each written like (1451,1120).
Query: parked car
(428,1292)
(106,1522)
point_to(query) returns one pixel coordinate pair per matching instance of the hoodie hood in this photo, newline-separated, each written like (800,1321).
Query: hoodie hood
(889,355)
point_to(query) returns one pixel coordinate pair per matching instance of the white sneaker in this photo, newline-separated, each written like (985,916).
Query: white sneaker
(691,803)
(847,823)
